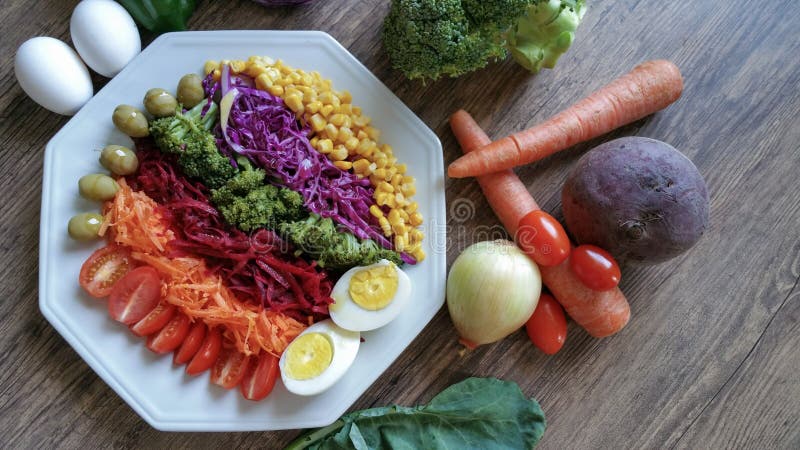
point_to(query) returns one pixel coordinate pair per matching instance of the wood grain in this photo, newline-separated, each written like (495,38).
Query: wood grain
(709,358)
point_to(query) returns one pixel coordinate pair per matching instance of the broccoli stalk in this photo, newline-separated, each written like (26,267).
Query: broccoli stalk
(188,135)
(319,239)
(430,38)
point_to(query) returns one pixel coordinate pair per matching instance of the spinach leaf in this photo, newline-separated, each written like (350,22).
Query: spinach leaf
(484,413)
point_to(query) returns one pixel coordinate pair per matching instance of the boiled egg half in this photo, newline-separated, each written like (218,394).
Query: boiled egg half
(318,358)
(369,297)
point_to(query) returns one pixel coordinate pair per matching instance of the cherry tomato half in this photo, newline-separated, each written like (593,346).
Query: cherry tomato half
(103,269)
(547,327)
(260,378)
(135,295)
(595,267)
(192,343)
(154,321)
(171,336)
(543,238)
(230,368)
(208,353)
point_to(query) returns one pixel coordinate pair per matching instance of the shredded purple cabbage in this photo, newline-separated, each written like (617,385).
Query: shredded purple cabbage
(264,130)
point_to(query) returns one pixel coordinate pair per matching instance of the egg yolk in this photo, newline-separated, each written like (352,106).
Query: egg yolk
(308,356)
(374,288)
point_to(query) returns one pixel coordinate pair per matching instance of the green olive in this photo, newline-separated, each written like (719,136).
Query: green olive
(98,187)
(119,160)
(84,226)
(160,103)
(130,121)
(190,90)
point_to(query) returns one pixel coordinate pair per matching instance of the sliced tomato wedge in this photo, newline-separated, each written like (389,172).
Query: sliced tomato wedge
(260,377)
(190,345)
(103,269)
(154,321)
(171,336)
(230,368)
(208,353)
(135,295)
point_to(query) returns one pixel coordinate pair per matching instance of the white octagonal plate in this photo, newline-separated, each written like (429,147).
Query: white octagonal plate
(162,394)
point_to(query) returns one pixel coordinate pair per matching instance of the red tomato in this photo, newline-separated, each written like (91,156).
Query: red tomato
(543,238)
(595,267)
(260,379)
(135,295)
(154,321)
(207,355)
(547,327)
(102,270)
(171,336)
(191,344)
(230,368)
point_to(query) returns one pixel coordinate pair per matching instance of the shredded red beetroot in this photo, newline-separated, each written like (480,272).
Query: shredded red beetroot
(259,266)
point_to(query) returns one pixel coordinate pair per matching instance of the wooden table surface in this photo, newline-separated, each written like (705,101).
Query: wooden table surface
(709,358)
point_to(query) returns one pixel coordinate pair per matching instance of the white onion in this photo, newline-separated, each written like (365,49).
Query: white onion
(492,290)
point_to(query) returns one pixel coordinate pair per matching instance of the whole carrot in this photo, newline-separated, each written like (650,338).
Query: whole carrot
(649,87)
(600,313)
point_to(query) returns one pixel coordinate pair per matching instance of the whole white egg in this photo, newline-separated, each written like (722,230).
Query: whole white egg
(53,75)
(369,297)
(318,358)
(105,35)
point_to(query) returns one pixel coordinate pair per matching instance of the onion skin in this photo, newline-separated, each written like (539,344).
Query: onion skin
(492,290)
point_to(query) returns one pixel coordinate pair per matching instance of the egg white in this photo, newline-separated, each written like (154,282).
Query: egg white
(345,345)
(349,315)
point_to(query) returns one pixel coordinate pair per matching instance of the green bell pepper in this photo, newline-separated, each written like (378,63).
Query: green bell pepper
(160,16)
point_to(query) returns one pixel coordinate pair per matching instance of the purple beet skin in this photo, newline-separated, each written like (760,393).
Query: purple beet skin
(638,198)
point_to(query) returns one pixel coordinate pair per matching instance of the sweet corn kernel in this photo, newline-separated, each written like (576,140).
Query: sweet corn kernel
(325,146)
(344,165)
(399,243)
(394,217)
(408,189)
(263,82)
(380,172)
(385,187)
(357,110)
(361,166)
(345,97)
(326,97)
(365,147)
(331,131)
(276,89)
(314,107)
(416,235)
(402,168)
(344,134)
(403,215)
(237,66)
(314,141)
(339,153)
(345,107)
(385,227)
(294,102)
(361,121)
(415,219)
(317,123)
(400,199)
(337,119)
(210,66)
(397,179)
(412,207)
(361,135)
(351,143)
(326,110)
(375,211)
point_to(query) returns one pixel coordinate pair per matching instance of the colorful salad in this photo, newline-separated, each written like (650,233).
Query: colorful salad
(256,229)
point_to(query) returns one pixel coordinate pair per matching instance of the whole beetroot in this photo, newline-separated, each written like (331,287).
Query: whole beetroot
(640,199)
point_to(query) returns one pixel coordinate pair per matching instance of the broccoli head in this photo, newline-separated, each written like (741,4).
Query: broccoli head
(248,204)
(187,135)
(431,38)
(333,249)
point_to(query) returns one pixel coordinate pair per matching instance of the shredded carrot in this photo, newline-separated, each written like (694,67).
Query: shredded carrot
(138,223)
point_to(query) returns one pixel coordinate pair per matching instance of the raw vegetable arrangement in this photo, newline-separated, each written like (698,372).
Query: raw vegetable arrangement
(256,229)
(634,199)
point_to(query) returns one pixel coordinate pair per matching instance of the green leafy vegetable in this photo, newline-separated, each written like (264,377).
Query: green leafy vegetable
(475,413)
(160,16)
(431,38)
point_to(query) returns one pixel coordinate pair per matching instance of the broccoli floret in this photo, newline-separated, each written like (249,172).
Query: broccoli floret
(247,203)
(430,38)
(319,239)
(187,135)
